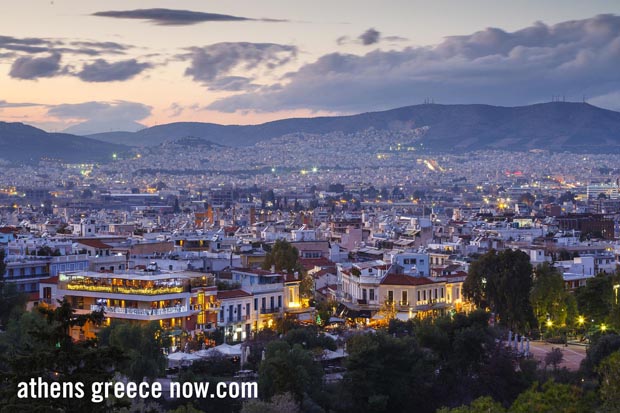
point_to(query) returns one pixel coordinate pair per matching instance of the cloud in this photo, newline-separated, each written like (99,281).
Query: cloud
(102,71)
(212,65)
(571,58)
(121,109)
(175,109)
(370,36)
(31,45)
(5,104)
(31,68)
(168,17)
(94,117)
(343,40)
(232,84)
(28,45)
(394,39)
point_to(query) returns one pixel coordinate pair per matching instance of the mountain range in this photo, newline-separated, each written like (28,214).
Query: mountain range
(24,143)
(556,126)
(561,126)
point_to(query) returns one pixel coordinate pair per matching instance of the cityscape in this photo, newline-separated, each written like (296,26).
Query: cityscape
(234,208)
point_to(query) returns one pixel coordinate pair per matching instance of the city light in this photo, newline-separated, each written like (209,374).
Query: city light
(549,323)
(581,320)
(603,328)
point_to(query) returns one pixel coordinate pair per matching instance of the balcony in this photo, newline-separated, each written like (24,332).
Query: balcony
(158,290)
(233,320)
(142,313)
(270,310)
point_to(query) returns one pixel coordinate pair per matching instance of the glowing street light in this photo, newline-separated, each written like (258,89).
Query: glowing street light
(603,328)
(549,323)
(581,320)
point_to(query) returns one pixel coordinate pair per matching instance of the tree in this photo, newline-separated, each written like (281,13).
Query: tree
(141,344)
(502,282)
(480,405)
(554,358)
(549,298)
(284,256)
(283,403)
(386,374)
(609,372)
(55,356)
(288,369)
(10,299)
(527,199)
(549,398)
(566,197)
(595,299)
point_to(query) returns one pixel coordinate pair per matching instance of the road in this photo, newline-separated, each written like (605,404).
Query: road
(573,354)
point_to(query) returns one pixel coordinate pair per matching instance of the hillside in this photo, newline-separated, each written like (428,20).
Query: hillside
(555,126)
(23,143)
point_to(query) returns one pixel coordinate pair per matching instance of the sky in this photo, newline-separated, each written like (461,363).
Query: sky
(96,66)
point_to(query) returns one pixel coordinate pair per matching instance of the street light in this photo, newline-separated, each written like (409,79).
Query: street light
(603,328)
(616,286)
(581,320)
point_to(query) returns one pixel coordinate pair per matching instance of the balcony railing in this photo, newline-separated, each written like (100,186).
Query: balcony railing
(270,310)
(139,311)
(126,290)
(403,303)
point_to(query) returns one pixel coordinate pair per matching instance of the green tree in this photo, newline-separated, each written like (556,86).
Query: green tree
(549,298)
(288,369)
(595,299)
(385,374)
(10,299)
(480,405)
(55,356)
(609,373)
(601,348)
(284,256)
(502,282)
(282,403)
(550,398)
(141,345)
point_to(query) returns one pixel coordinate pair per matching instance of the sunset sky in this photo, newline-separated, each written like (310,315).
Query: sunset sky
(110,65)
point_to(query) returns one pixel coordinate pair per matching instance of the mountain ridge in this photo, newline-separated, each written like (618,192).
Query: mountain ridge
(557,126)
(20,142)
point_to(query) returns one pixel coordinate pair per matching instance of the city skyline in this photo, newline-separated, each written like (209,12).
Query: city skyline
(116,66)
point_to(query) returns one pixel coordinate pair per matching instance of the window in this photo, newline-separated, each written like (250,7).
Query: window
(418,295)
(256,304)
(404,297)
(421,262)
(271,302)
(424,295)
(390,296)
(264,303)
(406,261)
(441,292)
(364,291)
(372,294)
(435,293)
(279,301)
